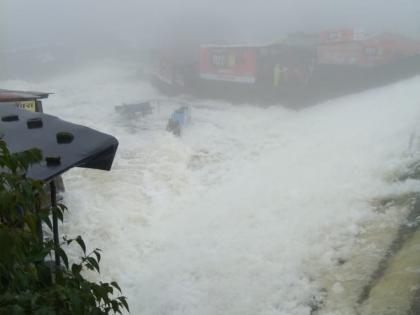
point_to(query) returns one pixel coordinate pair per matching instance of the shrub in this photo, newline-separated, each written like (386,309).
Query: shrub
(29,281)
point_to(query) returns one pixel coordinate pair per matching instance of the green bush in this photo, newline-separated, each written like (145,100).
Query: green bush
(29,281)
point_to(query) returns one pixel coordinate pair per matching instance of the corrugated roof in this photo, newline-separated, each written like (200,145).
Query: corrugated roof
(14,96)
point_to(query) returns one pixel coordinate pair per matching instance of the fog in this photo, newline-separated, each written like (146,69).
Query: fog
(99,24)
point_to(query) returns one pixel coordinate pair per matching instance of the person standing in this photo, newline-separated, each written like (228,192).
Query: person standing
(277,75)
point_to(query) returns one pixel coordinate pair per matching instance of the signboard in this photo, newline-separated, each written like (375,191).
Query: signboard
(27,105)
(234,64)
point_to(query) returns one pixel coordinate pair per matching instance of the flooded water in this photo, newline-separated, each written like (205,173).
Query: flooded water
(253,210)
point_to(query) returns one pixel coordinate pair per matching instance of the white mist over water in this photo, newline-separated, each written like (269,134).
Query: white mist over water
(248,211)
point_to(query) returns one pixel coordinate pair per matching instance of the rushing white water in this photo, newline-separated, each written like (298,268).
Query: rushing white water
(249,210)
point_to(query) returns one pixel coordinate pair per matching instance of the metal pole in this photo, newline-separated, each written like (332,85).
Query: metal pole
(39,221)
(53,193)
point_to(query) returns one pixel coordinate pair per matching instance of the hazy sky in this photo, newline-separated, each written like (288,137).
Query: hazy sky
(147,22)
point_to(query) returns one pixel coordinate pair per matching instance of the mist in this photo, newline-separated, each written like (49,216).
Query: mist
(109,26)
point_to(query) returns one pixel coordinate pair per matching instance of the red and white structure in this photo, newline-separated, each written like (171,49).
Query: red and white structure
(351,47)
(228,63)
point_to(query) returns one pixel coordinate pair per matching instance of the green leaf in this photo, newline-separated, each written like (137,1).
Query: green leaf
(92,261)
(59,213)
(115,285)
(123,301)
(97,254)
(76,268)
(45,310)
(81,243)
(47,221)
(62,254)
(29,284)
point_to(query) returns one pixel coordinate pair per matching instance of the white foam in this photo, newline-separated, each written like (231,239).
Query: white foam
(240,214)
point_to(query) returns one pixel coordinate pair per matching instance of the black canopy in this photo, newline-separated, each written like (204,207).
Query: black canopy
(64,145)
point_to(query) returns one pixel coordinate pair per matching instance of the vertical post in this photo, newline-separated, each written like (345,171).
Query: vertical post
(53,192)
(39,222)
